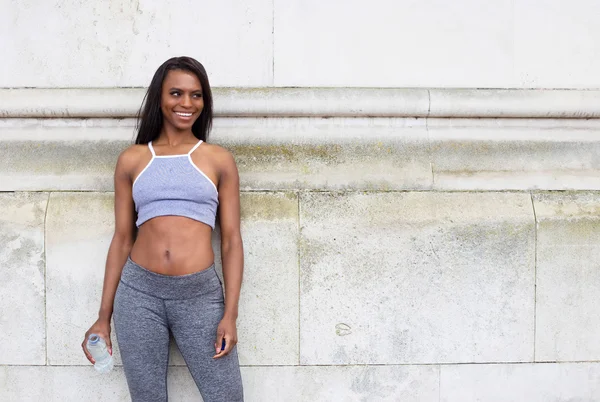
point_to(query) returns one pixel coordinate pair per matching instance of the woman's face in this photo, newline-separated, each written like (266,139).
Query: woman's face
(181,99)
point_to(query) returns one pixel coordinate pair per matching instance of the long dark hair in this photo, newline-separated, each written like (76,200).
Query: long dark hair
(150,118)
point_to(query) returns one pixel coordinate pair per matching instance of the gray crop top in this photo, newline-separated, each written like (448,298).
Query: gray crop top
(173,185)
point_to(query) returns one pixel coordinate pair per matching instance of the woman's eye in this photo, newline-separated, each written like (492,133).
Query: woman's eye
(197,95)
(175,93)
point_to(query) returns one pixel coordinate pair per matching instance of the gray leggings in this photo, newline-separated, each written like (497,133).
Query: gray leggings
(147,305)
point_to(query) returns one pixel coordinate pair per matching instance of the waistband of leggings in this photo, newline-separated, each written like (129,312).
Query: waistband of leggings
(167,286)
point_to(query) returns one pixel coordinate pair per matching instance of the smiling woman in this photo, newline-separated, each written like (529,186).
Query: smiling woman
(170,185)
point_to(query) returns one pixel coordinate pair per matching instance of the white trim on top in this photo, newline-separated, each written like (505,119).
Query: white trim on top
(142,172)
(176,155)
(204,174)
(195,147)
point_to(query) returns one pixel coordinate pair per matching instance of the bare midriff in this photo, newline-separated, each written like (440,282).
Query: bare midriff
(173,245)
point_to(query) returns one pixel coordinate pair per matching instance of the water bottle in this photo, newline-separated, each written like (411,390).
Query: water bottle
(97,347)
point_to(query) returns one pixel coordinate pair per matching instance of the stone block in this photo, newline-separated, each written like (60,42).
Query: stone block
(568,276)
(79,229)
(61,384)
(61,155)
(554,47)
(335,153)
(272,154)
(121,44)
(405,45)
(74,384)
(268,311)
(395,278)
(513,103)
(314,102)
(517,154)
(342,383)
(22,270)
(520,382)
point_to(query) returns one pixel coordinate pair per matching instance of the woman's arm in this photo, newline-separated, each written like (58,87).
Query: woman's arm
(118,251)
(232,253)
(122,240)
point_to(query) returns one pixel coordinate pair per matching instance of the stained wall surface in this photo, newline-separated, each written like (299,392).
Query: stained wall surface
(411,232)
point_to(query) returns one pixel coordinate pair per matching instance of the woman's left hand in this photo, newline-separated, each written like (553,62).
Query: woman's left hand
(226,330)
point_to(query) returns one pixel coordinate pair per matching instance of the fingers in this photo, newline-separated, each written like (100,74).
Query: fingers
(219,343)
(229,344)
(108,344)
(86,352)
(102,333)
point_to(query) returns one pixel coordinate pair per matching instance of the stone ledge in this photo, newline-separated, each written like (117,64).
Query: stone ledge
(272,154)
(384,154)
(505,154)
(289,384)
(520,382)
(315,102)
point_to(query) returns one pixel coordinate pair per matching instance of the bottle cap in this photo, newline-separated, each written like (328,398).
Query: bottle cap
(93,339)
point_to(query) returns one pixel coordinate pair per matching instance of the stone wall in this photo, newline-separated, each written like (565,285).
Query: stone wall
(306,43)
(405,240)
(419,253)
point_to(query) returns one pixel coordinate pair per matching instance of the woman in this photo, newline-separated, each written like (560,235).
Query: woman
(163,279)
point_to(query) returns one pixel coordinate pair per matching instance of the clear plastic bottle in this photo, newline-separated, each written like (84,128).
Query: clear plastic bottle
(97,347)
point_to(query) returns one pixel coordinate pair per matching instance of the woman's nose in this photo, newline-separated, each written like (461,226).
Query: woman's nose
(186,101)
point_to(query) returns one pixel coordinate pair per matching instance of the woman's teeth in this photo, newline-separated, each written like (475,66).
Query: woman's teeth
(183,114)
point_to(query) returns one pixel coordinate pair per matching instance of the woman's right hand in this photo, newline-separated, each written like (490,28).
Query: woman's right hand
(102,329)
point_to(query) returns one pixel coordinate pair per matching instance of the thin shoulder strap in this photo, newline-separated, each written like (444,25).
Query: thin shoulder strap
(195,146)
(151,149)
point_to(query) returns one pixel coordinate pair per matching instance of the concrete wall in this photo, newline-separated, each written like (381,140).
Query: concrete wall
(421,244)
(417,258)
(308,43)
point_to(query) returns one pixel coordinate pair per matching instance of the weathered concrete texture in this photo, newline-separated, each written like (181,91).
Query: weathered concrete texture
(568,276)
(520,382)
(77,155)
(314,102)
(230,102)
(268,311)
(272,154)
(77,383)
(22,327)
(555,46)
(404,44)
(61,384)
(80,226)
(121,44)
(335,153)
(392,278)
(79,229)
(293,384)
(511,103)
(342,383)
(325,154)
(504,154)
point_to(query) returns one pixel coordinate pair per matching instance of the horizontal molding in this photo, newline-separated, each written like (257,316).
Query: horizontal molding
(314,102)
(325,154)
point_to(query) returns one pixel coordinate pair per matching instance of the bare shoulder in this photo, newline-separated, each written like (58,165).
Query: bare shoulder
(130,157)
(220,155)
